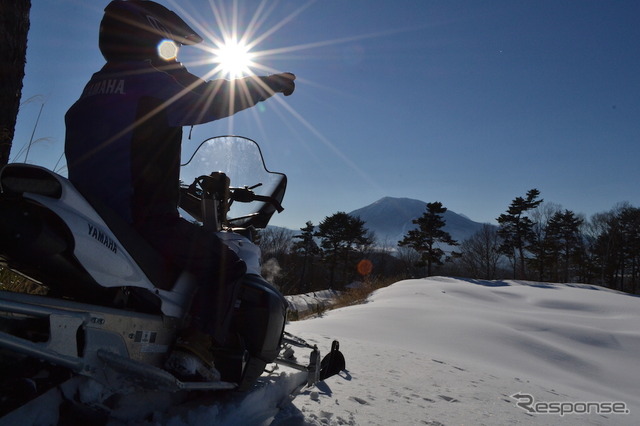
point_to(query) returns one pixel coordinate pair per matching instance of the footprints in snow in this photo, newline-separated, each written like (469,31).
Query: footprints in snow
(414,397)
(444,363)
(359,400)
(379,390)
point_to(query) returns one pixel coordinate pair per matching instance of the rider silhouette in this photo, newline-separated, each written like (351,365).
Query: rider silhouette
(123,139)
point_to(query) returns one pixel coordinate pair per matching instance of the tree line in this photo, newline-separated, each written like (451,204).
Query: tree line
(544,242)
(534,240)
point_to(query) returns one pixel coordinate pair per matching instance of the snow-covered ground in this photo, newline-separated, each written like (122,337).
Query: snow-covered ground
(445,351)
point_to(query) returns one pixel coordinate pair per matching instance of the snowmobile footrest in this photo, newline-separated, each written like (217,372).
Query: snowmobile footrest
(312,370)
(318,370)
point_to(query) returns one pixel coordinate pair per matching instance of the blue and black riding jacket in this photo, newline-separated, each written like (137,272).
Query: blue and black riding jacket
(123,135)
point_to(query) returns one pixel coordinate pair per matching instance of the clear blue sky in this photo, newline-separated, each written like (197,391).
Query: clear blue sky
(470,103)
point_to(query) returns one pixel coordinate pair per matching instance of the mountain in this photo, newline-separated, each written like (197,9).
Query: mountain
(390,218)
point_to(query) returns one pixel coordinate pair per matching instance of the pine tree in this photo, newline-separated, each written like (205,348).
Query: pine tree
(307,248)
(341,235)
(564,237)
(428,235)
(516,229)
(630,224)
(617,248)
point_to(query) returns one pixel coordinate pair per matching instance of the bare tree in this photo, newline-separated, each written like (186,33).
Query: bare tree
(408,258)
(275,242)
(14,26)
(481,253)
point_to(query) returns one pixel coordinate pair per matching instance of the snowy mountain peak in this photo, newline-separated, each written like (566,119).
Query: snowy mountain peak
(390,218)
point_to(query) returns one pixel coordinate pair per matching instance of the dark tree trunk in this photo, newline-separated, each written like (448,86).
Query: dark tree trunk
(14,26)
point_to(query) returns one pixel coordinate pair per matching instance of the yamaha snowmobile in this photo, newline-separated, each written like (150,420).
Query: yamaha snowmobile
(113,307)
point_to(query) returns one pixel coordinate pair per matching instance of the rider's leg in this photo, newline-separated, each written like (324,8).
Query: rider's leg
(218,271)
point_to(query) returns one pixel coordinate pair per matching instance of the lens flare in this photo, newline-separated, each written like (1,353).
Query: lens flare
(365,267)
(168,50)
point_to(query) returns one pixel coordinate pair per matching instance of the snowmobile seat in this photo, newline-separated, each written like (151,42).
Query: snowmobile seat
(162,273)
(16,179)
(34,241)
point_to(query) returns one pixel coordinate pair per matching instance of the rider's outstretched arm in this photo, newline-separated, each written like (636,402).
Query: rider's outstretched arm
(231,96)
(196,101)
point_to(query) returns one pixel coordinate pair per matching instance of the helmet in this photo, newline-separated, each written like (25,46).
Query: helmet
(133,29)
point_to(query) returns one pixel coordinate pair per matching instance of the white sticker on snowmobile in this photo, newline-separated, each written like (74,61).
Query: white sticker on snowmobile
(154,349)
(145,336)
(147,340)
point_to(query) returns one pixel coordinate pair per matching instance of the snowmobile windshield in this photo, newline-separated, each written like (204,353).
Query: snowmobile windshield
(241,160)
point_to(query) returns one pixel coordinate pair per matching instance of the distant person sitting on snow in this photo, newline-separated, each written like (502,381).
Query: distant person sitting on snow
(123,143)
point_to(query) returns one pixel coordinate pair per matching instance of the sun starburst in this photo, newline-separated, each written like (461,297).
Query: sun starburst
(234,58)
(236,44)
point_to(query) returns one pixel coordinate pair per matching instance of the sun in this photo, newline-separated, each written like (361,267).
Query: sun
(234,58)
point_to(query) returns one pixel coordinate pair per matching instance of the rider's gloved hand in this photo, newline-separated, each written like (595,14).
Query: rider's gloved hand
(282,83)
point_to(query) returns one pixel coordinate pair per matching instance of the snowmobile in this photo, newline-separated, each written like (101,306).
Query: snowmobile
(113,307)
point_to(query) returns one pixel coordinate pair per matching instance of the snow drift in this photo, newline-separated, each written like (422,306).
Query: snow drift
(454,351)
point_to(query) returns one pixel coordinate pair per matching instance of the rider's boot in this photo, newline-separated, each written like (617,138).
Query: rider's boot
(192,357)
(210,313)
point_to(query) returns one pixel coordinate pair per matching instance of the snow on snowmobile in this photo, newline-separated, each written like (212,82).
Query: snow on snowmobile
(114,307)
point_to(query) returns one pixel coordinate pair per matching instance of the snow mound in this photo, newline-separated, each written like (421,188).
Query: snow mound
(443,350)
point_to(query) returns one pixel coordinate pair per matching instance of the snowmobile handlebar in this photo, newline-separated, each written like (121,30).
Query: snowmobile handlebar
(209,198)
(246,195)
(217,185)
